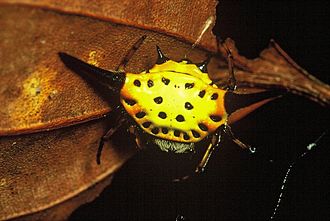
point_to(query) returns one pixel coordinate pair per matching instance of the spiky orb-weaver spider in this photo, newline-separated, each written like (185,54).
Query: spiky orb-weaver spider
(174,106)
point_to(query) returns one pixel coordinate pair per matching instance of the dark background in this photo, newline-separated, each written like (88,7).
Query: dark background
(238,185)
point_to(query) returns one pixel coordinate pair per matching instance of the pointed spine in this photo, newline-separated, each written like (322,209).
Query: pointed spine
(203,65)
(234,102)
(161,57)
(112,80)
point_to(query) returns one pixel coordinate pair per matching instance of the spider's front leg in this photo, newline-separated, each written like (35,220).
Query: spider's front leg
(120,121)
(232,82)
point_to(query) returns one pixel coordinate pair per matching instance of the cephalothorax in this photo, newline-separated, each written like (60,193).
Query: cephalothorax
(174,105)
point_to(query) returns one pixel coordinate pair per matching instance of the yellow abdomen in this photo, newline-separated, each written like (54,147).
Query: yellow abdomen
(174,106)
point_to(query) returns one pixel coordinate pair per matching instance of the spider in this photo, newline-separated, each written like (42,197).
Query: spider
(174,106)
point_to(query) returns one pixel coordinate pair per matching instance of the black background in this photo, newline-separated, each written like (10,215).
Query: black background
(238,185)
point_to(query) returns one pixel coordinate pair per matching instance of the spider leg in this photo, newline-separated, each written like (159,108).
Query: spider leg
(106,137)
(130,53)
(232,80)
(215,140)
(242,145)
(133,130)
(232,83)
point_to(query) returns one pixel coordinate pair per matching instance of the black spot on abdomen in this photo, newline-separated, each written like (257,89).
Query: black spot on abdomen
(201,93)
(162,115)
(214,96)
(164,130)
(179,118)
(188,106)
(202,126)
(189,85)
(186,136)
(140,114)
(146,124)
(195,134)
(130,102)
(155,130)
(216,118)
(137,83)
(158,100)
(166,81)
(150,83)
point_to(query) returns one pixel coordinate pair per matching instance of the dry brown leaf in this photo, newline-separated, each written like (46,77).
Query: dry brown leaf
(173,19)
(275,69)
(51,170)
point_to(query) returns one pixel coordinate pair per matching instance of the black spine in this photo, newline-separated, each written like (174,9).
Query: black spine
(161,57)
(112,80)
